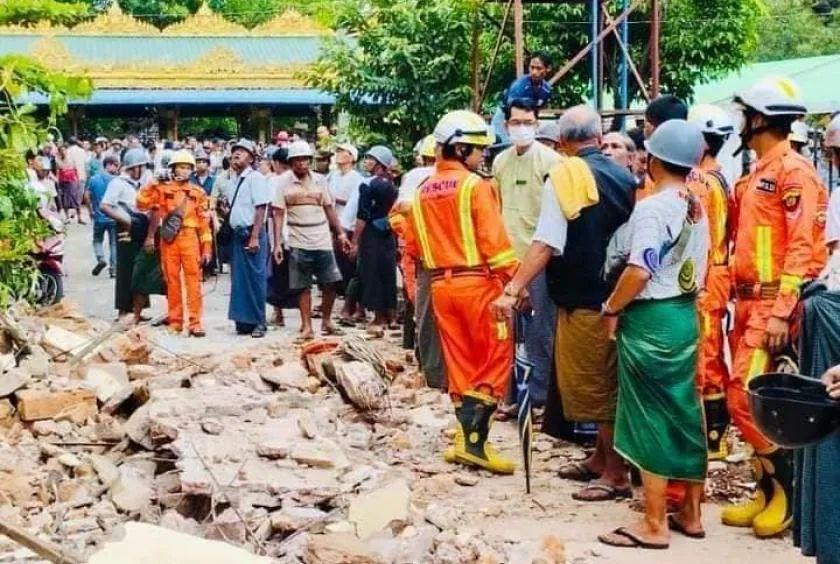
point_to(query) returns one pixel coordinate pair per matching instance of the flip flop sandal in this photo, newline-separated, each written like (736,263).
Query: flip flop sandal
(332,331)
(676,526)
(346,323)
(608,493)
(577,471)
(635,541)
(303,340)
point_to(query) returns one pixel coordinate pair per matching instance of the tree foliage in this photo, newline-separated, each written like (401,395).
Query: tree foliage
(405,62)
(798,28)
(404,65)
(21,130)
(29,12)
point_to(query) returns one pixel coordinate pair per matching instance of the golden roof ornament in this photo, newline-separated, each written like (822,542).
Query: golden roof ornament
(53,54)
(205,23)
(291,22)
(41,28)
(115,22)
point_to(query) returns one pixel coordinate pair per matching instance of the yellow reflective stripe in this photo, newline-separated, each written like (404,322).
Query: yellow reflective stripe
(467,227)
(707,324)
(502,259)
(502,330)
(759,360)
(764,253)
(719,250)
(790,283)
(422,234)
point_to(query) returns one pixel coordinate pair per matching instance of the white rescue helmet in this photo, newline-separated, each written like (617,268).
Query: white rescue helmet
(832,133)
(300,149)
(462,126)
(773,96)
(712,119)
(798,132)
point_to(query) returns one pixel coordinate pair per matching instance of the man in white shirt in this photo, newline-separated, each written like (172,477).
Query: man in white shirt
(247,199)
(344,184)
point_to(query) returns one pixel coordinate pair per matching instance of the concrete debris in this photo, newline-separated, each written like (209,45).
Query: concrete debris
(362,383)
(290,519)
(468,480)
(107,379)
(374,510)
(212,427)
(13,379)
(339,548)
(76,405)
(287,376)
(61,340)
(442,516)
(131,492)
(144,543)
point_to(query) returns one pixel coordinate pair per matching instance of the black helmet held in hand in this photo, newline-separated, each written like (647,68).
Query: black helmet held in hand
(792,410)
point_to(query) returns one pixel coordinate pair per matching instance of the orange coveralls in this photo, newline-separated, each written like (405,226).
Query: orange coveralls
(184,252)
(778,225)
(456,229)
(712,373)
(398,217)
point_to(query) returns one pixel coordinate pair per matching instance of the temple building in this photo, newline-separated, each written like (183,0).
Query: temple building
(203,66)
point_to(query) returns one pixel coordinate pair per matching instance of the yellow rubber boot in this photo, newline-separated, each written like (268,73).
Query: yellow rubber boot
(475,416)
(778,515)
(743,514)
(457,440)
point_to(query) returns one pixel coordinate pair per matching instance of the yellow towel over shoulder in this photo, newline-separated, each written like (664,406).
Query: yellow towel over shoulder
(574,186)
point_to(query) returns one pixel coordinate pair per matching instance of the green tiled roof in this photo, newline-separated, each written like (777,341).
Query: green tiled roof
(818,79)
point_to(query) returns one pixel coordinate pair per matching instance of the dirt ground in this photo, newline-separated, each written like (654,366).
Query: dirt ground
(490,520)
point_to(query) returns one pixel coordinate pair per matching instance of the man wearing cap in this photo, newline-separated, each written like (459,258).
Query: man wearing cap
(304,202)
(778,227)
(658,259)
(373,240)
(520,171)
(245,203)
(202,176)
(102,224)
(138,269)
(547,134)
(658,111)
(585,199)
(343,183)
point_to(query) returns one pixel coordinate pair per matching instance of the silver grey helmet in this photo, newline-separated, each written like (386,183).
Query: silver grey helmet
(677,142)
(135,157)
(382,155)
(246,144)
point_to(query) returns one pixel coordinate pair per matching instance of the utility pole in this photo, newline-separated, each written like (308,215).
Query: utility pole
(518,38)
(654,48)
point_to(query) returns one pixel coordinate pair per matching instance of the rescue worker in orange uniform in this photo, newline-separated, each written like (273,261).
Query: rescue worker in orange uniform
(456,229)
(778,228)
(712,372)
(189,246)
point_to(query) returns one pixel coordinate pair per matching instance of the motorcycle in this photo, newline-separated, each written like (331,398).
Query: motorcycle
(49,257)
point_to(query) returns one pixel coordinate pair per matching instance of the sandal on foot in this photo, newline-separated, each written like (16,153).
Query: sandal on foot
(258,333)
(303,339)
(577,471)
(675,525)
(332,331)
(346,323)
(602,492)
(623,538)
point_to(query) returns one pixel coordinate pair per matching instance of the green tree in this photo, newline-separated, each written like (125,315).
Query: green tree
(798,28)
(29,12)
(21,130)
(406,64)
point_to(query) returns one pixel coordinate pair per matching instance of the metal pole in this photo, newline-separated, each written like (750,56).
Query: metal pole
(624,32)
(518,38)
(654,49)
(593,60)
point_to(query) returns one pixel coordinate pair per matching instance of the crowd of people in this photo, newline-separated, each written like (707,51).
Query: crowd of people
(614,258)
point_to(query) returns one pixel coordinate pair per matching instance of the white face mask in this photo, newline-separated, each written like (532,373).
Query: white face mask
(522,135)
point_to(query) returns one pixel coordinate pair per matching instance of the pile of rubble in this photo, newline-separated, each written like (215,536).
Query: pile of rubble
(115,450)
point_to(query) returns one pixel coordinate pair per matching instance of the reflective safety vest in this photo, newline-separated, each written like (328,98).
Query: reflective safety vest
(779,226)
(456,222)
